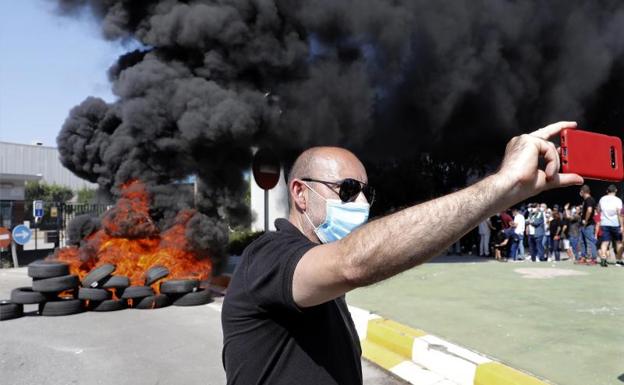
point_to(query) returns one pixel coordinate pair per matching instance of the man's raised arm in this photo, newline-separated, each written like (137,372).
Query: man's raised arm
(397,242)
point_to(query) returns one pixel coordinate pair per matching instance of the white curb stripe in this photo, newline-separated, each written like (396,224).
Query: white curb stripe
(449,360)
(434,360)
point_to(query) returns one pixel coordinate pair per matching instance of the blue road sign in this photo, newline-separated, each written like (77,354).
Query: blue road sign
(38,209)
(21,234)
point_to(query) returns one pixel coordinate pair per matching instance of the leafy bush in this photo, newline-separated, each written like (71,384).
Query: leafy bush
(85,195)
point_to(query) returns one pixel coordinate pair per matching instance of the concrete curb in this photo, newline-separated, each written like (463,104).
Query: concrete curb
(421,358)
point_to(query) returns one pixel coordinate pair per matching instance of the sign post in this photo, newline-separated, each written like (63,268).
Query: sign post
(37,210)
(266,172)
(21,235)
(5,242)
(5,237)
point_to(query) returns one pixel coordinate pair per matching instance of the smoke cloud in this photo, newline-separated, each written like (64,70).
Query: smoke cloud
(80,227)
(388,79)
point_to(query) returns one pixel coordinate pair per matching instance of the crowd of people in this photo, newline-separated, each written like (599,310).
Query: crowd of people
(589,233)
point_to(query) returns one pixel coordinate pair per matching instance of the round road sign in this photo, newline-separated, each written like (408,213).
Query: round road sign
(5,238)
(21,234)
(266,168)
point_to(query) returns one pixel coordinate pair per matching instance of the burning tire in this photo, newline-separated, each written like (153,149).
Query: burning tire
(26,295)
(47,269)
(155,273)
(108,305)
(10,310)
(133,292)
(116,282)
(200,297)
(153,302)
(60,307)
(94,294)
(98,274)
(56,284)
(179,286)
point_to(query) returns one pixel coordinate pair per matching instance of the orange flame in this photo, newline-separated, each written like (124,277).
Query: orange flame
(131,241)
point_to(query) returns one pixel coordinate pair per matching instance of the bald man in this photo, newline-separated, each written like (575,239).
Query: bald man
(285,319)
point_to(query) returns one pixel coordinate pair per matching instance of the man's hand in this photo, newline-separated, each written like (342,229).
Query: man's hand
(520,164)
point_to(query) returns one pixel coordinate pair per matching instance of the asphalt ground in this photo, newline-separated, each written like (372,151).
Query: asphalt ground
(559,321)
(173,345)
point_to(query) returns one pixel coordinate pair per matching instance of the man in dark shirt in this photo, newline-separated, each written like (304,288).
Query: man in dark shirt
(556,226)
(588,229)
(285,320)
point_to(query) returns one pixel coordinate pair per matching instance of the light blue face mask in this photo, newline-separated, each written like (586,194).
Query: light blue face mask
(340,219)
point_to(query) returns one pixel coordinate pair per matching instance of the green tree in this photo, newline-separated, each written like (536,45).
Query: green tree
(47,192)
(85,195)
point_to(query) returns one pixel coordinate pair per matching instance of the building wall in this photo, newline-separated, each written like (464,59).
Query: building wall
(28,159)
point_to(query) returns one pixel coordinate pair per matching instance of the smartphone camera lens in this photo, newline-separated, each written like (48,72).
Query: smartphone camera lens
(612,157)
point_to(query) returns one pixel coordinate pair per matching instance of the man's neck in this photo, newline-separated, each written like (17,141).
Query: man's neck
(298,221)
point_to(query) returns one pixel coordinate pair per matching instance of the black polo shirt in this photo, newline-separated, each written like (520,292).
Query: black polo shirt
(587,203)
(267,339)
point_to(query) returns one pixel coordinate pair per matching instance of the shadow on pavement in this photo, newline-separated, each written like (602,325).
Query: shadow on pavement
(453,258)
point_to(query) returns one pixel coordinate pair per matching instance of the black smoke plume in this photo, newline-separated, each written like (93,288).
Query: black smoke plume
(80,227)
(421,83)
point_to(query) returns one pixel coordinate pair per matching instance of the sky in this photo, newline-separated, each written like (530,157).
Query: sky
(48,64)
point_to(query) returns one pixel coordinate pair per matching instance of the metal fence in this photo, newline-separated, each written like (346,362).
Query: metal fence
(50,231)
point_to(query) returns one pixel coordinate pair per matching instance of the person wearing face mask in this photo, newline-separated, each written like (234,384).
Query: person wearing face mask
(285,319)
(536,239)
(571,231)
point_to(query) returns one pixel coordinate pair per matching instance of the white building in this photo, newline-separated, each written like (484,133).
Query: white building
(20,163)
(42,161)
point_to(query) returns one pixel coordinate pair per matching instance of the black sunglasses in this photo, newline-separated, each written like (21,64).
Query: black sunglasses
(349,189)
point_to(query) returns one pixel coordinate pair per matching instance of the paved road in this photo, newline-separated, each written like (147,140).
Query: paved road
(174,345)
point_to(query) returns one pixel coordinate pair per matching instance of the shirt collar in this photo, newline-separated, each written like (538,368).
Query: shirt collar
(284,225)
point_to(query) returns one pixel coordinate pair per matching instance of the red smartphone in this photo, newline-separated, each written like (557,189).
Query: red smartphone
(591,155)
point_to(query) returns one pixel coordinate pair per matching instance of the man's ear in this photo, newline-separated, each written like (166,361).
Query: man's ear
(297,192)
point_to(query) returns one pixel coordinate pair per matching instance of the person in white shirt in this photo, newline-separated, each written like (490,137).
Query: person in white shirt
(519,228)
(610,224)
(485,230)
(518,224)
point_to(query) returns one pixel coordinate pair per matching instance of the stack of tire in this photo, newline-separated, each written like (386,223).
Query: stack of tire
(177,292)
(53,289)
(59,293)
(99,286)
